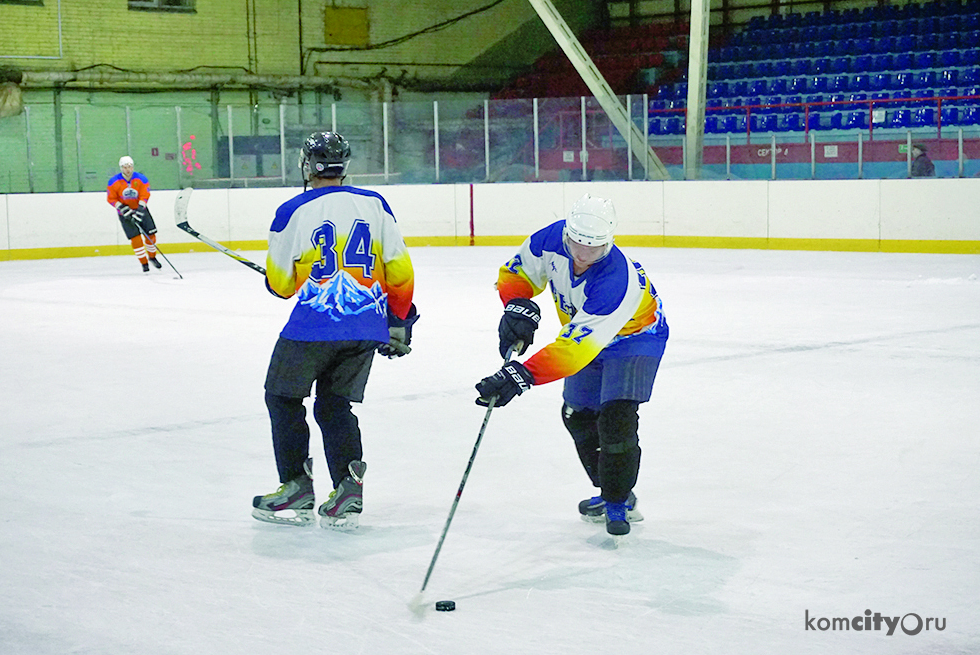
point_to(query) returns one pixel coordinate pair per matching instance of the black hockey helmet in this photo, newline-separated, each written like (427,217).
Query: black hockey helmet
(324,154)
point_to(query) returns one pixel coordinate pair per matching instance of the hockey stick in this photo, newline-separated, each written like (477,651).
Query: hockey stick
(417,604)
(139,226)
(180,215)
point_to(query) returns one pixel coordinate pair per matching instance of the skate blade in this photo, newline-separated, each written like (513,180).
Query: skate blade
(343,523)
(299,518)
(618,540)
(633,516)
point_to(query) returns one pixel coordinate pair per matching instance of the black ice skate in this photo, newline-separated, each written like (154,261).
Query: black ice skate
(593,509)
(291,504)
(156,264)
(146,267)
(342,511)
(617,523)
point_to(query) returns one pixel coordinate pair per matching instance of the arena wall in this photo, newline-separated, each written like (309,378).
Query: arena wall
(933,215)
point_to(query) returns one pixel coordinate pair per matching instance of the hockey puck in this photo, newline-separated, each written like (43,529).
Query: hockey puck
(445,605)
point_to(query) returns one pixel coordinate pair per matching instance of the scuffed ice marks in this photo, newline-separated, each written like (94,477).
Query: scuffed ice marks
(343,296)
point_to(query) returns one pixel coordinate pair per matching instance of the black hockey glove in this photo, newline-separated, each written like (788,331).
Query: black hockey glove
(511,380)
(399,334)
(140,214)
(520,320)
(126,211)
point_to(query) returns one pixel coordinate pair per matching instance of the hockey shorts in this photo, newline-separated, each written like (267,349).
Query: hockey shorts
(339,368)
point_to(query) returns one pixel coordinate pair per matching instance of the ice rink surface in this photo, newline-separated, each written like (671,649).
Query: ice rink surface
(812,450)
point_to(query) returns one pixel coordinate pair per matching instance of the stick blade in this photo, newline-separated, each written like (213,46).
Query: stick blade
(418,604)
(180,205)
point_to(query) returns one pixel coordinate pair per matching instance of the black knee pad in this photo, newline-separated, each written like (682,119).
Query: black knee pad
(619,423)
(581,424)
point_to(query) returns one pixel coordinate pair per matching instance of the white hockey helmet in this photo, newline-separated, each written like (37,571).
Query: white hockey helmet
(125,160)
(591,222)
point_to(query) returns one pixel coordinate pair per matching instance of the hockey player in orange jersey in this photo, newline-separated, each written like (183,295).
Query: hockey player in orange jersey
(128,191)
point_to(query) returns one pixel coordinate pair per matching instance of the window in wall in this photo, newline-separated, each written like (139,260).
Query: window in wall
(185,6)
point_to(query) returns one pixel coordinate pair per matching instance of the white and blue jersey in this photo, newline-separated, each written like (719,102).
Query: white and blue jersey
(611,310)
(339,249)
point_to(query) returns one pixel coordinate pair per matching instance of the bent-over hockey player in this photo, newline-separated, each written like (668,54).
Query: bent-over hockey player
(608,351)
(129,191)
(339,250)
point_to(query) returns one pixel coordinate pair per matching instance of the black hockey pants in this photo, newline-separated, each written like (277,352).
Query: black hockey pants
(291,434)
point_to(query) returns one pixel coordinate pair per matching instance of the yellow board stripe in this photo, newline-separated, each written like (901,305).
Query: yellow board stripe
(642,241)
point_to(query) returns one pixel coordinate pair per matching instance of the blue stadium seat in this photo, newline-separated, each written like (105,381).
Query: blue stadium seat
(814,121)
(711,124)
(778,86)
(718,90)
(904,43)
(862,63)
(726,124)
(902,81)
(819,66)
(899,118)
(971,91)
(797,85)
(949,58)
(838,84)
(740,88)
(763,69)
(970,57)
(860,82)
(752,101)
(949,24)
(924,96)
(885,62)
(791,122)
(950,116)
(885,29)
(758,87)
(881,95)
(740,124)
(763,122)
(883,44)
(793,100)
(970,116)
(817,84)
(856,120)
(970,77)
(949,41)
(654,126)
(858,100)
(675,125)
(924,60)
(781,68)
(924,117)
(924,79)
(928,41)
(903,61)
(799,67)
(840,65)
(881,81)
(773,100)
(742,70)
(949,77)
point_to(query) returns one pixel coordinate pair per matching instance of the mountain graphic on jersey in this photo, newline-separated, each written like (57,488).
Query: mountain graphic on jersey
(343,296)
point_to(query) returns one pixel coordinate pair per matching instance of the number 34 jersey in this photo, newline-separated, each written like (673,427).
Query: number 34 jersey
(339,250)
(611,310)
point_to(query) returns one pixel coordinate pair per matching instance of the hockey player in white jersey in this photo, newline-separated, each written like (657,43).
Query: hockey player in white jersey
(608,351)
(339,250)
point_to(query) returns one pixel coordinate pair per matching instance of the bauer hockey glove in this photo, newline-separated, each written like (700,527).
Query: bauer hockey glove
(511,380)
(520,320)
(126,211)
(399,334)
(140,213)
